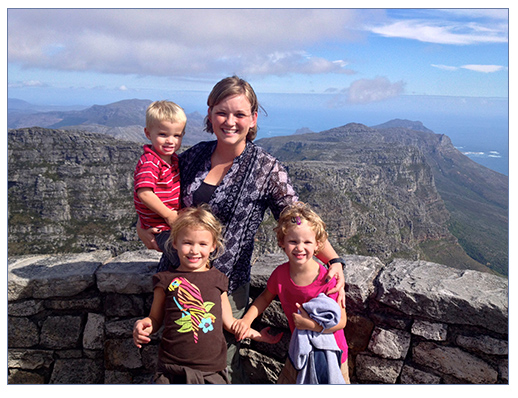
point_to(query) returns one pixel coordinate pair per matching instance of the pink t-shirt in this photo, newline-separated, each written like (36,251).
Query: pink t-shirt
(281,284)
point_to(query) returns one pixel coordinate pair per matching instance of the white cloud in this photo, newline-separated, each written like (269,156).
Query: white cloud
(449,27)
(365,91)
(475,68)
(27,83)
(176,42)
(445,67)
(373,90)
(484,68)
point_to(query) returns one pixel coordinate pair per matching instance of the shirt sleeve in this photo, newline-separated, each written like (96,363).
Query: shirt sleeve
(273,282)
(221,280)
(146,173)
(160,280)
(281,191)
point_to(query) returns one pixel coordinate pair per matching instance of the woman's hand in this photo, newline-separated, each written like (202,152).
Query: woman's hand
(147,236)
(336,271)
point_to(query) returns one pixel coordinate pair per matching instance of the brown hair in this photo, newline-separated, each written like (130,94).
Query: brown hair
(228,87)
(293,215)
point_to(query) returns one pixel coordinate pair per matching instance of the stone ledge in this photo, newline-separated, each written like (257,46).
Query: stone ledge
(61,275)
(129,273)
(445,294)
(386,306)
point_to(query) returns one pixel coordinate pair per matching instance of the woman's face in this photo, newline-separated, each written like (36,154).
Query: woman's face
(231,119)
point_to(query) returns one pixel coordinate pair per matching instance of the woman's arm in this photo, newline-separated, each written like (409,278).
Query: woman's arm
(335,270)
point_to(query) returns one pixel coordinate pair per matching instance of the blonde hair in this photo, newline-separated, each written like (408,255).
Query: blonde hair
(159,111)
(198,217)
(229,87)
(293,215)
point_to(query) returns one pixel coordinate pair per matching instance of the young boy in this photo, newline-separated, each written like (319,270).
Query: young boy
(157,174)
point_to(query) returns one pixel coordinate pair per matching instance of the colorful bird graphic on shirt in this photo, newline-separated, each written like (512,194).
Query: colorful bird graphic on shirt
(195,311)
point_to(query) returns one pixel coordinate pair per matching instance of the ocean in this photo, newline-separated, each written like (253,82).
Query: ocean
(478,127)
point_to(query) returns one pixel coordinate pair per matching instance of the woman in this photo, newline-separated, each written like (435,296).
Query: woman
(239,181)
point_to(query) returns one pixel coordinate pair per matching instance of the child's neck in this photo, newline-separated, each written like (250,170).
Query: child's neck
(166,158)
(181,268)
(304,275)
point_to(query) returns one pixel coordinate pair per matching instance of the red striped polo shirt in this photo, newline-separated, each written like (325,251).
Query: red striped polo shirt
(164,179)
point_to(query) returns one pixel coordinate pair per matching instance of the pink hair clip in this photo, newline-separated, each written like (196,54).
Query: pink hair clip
(296,220)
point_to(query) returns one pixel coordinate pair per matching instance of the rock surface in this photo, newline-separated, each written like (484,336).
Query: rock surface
(404,324)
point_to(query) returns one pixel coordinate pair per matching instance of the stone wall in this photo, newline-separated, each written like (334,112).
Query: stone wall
(71,318)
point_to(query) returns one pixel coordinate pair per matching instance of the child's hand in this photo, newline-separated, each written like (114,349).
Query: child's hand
(172,216)
(303,321)
(241,329)
(141,331)
(265,336)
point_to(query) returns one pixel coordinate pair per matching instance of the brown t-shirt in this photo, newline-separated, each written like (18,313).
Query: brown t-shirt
(193,326)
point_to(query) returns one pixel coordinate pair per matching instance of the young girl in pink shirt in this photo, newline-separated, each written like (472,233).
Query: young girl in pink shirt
(301,233)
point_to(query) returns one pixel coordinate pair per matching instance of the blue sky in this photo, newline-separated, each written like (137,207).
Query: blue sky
(98,56)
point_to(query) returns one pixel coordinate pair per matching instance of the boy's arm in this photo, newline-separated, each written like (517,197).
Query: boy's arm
(143,328)
(153,203)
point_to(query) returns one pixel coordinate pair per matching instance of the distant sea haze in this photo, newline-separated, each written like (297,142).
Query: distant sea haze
(479,129)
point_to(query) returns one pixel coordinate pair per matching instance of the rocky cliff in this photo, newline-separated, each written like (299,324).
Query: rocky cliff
(446,207)
(71,191)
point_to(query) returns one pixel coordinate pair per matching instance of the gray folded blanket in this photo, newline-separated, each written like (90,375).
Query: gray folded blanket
(316,356)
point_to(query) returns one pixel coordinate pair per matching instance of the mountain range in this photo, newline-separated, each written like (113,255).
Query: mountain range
(392,190)
(123,120)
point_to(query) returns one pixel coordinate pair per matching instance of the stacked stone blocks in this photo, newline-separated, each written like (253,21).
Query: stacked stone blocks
(409,322)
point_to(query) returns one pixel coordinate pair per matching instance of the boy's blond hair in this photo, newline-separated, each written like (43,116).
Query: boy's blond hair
(198,217)
(159,111)
(293,215)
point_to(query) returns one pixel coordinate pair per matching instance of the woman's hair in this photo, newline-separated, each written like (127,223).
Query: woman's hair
(229,87)
(159,111)
(295,214)
(199,217)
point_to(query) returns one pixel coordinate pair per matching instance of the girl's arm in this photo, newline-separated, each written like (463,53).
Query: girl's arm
(229,323)
(153,203)
(241,326)
(304,322)
(143,328)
